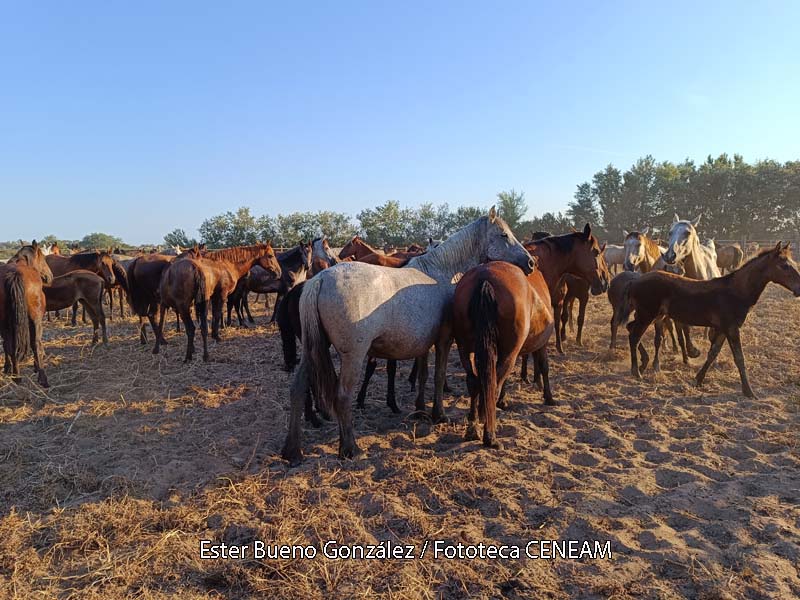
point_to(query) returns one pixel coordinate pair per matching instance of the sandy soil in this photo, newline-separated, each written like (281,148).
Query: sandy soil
(110,479)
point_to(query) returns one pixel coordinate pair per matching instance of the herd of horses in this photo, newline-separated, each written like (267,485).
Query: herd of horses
(497,298)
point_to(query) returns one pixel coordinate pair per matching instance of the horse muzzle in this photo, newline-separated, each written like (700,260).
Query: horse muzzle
(530,266)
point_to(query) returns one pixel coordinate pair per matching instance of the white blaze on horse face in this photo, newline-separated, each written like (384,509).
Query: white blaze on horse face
(679,237)
(634,251)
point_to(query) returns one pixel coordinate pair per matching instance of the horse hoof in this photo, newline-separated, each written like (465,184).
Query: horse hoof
(350,452)
(156,350)
(493,444)
(313,419)
(205,357)
(292,454)
(749,394)
(636,374)
(693,352)
(550,402)
(42,379)
(471,434)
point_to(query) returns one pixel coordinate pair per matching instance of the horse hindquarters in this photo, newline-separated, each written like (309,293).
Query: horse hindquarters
(483,314)
(16,333)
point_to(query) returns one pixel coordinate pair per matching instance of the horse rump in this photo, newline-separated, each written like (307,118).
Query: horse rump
(17,331)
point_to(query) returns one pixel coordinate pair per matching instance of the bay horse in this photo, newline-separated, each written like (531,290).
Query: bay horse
(365,253)
(394,314)
(22,306)
(498,314)
(197,279)
(578,254)
(84,287)
(295,268)
(144,277)
(99,262)
(721,303)
(590,269)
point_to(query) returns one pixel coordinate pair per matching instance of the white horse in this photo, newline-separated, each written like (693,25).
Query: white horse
(699,261)
(615,256)
(367,310)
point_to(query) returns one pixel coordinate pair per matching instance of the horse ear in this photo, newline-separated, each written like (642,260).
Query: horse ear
(625,233)
(696,222)
(675,218)
(35,244)
(603,247)
(492,214)
(587,230)
(778,246)
(646,230)
(786,247)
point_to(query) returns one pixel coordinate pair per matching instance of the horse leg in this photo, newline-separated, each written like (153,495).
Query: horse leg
(391,371)
(100,315)
(310,413)
(557,307)
(691,349)
(246,306)
(202,315)
(158,330)
(412,377)
(636,329)
(38,352)
(582,302)
(348,379)
(659,337)
(299,390)
(716,346)
(735,343)
(421,364)
(178,321)
(566,314)
(372,363)
(142,332)
(74,321)
(216,315)
(110,305)
(95,322)
(442,352)
(542,364)
(121,304)
(190,329)
(523,372)
(472,388)
(278,299)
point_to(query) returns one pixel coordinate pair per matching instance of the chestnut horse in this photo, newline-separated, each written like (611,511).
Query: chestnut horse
(365,253)
(22,306)
(721,303)
(196,279)
(84,287)
(578,254)
(498,313)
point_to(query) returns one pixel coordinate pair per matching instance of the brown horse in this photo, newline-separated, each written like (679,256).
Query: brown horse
(22,306)
(729,257)
(98,262)
(578,254)
(84,287)
(641,252)
(498,313)
(363,252)
(196,279)
(721,303)
(144,277)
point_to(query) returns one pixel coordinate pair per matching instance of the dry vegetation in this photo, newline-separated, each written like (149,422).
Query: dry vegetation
(109,479)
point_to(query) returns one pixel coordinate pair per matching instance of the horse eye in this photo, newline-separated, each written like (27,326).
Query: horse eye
(505,235)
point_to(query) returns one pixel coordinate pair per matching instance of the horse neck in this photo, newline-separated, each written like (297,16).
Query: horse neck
(243,267)
(749,281)
(362,249)
(552,264)
(456,255)
(692,261)
(651,253)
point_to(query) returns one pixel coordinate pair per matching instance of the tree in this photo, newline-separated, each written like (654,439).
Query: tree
(100,241)
(178,237)
(230,229)
(385,224)
(584,209)
(607,185)
(511,206)
(463,216)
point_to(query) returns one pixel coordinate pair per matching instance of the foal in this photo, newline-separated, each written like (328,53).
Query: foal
(721,303)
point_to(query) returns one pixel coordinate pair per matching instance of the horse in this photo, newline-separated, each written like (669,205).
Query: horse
(396,314)
(84,287)
(99,262)
(321,255)
(578,254)
(498,314)
(729,257)
(641,252)
(22,306)
(295,268)
(615,256)
(590,266)
(144,278)
(363,252)
(721,303)
(196,279)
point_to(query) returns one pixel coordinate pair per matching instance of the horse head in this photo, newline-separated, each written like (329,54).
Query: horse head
(682,239)
(268,261)
(500,244)
(590,260)
(33,256)
(635,248)
(781,268)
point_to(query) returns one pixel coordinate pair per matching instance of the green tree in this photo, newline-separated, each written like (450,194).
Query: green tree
(463,216)
(607,187)
(100,241)
(583,209)
(385,224)
(230,229)
(512,207)
(178,237)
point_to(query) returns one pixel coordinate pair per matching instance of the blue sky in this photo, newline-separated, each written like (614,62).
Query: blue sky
(134,118)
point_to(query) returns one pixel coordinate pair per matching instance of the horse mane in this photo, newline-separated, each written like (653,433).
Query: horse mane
(237,254)
(459,249)
(563,243)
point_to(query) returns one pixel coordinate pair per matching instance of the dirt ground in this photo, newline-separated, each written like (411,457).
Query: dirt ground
(110,479)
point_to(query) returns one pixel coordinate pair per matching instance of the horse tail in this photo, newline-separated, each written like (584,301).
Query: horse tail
(18,332)
(625,306)
(120,275)
(286,325)
(137,296)
(200,291)
(483,314)
(315,346)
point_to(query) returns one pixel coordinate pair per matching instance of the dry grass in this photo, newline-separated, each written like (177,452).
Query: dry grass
(109,479)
